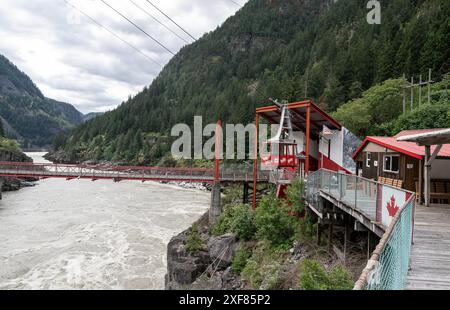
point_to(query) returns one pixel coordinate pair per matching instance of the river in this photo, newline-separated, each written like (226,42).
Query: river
(81,234)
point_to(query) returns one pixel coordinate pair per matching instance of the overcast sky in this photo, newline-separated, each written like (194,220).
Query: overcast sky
(73,60)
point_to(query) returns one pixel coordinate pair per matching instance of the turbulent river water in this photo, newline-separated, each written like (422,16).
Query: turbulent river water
(91,235)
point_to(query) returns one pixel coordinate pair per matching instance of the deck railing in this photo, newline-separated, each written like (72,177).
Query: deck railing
(390,207)
(388,267)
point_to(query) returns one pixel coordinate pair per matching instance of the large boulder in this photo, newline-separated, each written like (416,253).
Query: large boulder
(222,249)
(184,268)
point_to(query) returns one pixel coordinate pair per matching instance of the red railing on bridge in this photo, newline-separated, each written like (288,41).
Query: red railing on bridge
(120,173)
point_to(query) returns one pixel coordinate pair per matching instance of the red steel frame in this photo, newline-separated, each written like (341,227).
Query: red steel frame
(310,108)
(121,173)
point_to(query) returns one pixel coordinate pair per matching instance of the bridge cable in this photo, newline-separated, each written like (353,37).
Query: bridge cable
(168,17)
(114,34)
(158,21)
(135,25)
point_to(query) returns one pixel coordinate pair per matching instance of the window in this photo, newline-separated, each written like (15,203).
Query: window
(368,159)
(391,163)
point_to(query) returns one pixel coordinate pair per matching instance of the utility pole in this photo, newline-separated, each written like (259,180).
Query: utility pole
(412,93)
(420,90)
(429,86)
(306,85)
(404,94)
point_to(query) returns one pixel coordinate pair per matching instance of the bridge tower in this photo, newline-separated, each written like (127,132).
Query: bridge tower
(215,208)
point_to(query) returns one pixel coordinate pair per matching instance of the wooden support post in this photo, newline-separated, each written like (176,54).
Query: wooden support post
(368,245)
(330,234)
(412,93)
(346,237)
(427,173)
(308,138)
(245,194)
(318,234)
(255,162)
(421,167)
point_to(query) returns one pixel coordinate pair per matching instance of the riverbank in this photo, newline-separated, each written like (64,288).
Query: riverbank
(12,184)
(274,247)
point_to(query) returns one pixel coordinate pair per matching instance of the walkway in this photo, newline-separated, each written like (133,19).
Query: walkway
(430,257)
(120,173)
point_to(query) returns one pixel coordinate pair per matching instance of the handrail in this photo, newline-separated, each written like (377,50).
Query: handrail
(374,259)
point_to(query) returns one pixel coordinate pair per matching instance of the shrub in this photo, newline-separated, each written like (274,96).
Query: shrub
(251,274)
(240,260)
(308,226)
(238,220)
(194,242)
(295,196)
(313,276)
(340,279)
(274,223)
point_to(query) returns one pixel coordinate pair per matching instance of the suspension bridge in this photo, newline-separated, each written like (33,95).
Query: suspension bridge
(123,173)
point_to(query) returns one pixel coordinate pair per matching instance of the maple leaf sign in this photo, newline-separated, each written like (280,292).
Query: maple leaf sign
(392,207)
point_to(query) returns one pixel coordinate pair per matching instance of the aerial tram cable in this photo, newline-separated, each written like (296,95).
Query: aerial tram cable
(142,30)
(114,34)
(168,17)
(158,21)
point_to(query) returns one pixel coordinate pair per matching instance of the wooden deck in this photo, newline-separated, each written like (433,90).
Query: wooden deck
(430,257)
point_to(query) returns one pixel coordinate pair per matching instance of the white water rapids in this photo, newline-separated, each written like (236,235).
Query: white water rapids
(81,234)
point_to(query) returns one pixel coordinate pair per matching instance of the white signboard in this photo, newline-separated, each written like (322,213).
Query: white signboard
(392,201)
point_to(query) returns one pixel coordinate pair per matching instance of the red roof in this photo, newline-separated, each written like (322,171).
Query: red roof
(407,148)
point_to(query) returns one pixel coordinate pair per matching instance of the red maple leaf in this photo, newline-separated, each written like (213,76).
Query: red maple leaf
(392,207)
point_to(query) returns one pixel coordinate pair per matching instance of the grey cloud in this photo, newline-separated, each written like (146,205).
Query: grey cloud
(87,66)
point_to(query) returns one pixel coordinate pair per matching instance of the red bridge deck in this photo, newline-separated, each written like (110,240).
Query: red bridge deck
(120,173)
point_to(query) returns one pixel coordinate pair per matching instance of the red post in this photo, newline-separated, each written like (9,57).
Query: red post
(218,152)
(255,162)
(308,138)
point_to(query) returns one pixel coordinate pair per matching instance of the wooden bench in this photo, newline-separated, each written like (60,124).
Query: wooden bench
(440,191)
(391,182)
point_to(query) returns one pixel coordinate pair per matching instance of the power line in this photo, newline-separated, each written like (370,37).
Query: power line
(112,33)
(239,5)
(167,16)
(158,21)
(142,30)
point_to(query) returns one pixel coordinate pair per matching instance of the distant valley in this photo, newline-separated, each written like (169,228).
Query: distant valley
(27,115)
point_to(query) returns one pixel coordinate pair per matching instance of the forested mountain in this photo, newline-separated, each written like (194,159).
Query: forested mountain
(271,48)
(27,115)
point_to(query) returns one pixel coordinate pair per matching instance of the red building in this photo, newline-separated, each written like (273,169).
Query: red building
(402,163)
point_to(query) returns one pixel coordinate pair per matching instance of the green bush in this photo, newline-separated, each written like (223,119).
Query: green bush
(251,274)
(340,279)
(313,276)
(238,220)
(8,144)
(240,260)
(274,222)
(194,242)
(295,196)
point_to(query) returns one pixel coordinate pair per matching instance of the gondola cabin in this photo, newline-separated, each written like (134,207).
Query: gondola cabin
(279,155)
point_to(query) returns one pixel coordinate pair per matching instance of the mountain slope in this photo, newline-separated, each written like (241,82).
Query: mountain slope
(270,48)
(26,114)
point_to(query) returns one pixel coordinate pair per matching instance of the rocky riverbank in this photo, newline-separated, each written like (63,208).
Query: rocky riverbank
(12,184)
(209,268)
